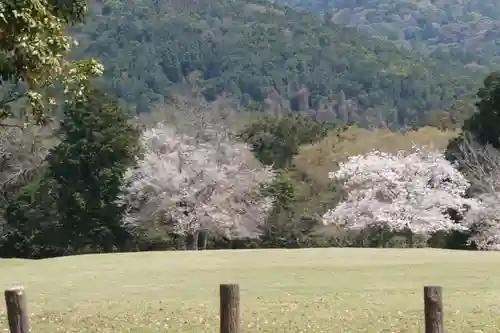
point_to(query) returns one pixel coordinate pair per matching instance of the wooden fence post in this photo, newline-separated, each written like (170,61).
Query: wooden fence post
(17,312)
(433,309)
(229,308)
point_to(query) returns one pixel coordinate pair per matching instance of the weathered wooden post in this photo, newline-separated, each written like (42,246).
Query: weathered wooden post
(17,311)
(433,309)
(229,308)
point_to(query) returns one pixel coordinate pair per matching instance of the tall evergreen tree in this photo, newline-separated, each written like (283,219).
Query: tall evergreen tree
(98,145)
(484,125)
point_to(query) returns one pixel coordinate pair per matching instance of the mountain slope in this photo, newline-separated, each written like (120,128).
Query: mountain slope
(245,48)
(466,31)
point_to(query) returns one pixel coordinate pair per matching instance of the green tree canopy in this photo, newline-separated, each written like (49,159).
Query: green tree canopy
(484,125)
(98,145)
(276,140)
(33,49)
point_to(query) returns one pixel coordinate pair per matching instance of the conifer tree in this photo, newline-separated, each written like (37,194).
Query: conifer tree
(98,145)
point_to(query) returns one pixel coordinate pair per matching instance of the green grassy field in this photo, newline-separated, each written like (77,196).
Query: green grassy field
(310,290)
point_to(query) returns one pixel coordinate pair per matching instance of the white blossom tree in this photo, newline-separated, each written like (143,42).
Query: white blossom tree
(414,191)
(213,185)
(485,223)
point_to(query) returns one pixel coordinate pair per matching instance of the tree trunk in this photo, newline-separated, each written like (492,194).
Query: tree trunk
(194,245)
(205,240)
(409,237)
(184,242)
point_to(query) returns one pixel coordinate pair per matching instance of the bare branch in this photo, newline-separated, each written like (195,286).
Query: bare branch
(11,98)
(198,118)
(481,165)
(12,125)
(22,152)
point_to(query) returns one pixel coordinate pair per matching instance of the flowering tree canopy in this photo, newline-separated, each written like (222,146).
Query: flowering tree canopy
(214,184)
(415,190)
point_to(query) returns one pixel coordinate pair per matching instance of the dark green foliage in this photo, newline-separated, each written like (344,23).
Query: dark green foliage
(465,32)
(287,226)
(32,223)
(284,192)
(245,47)
(454,240)
(484,124)
(98,145)
(276,140)
(71,11)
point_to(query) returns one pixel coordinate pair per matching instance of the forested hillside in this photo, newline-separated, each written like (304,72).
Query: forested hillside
(267,57)
(465,31)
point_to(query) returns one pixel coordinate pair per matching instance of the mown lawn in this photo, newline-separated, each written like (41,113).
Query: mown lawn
(310,290)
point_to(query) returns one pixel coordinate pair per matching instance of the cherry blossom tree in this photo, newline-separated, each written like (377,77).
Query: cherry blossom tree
(418,191)
(485,223)
(211,184)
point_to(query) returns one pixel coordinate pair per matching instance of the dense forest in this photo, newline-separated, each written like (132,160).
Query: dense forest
(465,32)
(265,56)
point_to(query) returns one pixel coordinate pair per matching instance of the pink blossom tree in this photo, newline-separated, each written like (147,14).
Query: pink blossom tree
(211,184)
(404,191)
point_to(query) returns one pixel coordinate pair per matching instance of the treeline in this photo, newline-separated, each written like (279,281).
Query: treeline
(265,56)
(69,203)
(462,32)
